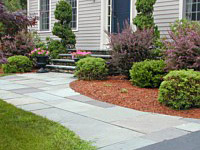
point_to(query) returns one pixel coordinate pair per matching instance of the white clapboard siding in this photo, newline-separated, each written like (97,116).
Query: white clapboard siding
(166,12)
(89,23)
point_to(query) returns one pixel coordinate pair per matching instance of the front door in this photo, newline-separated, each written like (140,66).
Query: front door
(121,13)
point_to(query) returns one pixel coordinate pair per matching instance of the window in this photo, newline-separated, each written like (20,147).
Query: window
(109,15)
(44,15)
(192,10)
(74,14)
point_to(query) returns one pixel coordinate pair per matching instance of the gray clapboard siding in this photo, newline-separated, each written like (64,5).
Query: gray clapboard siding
(89,23)
(165,13)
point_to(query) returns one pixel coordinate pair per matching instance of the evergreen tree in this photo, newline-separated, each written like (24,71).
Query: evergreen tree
(62,29)
(144,18)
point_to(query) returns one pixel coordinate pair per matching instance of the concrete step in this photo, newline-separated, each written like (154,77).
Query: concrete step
(63,60)
(94,50)
(93,55)
(61,67)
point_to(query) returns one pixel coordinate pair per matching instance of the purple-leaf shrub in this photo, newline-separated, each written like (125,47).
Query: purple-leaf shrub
(3,60)
(129,47)
(21,44)
(183,50)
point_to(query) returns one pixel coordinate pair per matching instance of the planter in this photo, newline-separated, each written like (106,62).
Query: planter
(76,59)
(41,63)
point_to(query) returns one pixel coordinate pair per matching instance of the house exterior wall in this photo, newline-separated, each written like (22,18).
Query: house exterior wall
(92,20)
(165,13)
(88,34)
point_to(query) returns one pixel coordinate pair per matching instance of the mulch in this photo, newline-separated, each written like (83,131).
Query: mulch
(119,91)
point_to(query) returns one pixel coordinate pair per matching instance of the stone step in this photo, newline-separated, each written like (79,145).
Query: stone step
(61,67)
(94,50)
(93,55)
(63,60)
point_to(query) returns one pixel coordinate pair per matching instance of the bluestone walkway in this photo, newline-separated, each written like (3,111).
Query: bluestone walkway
(109,127)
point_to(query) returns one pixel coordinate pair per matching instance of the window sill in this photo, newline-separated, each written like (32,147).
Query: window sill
(44,31)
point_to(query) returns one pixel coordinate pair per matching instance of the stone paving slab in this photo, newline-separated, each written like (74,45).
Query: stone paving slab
(166,134)
(45,96)
(54,87)
(36,106)
(56,114)
(191,127)
(132,144)
(26,90)
(12,87)
(149,123)
(76,107)
(23,101)
(187,142)
(63,92)
(80,98)
(102,134)
(8,95)
(113,114)
(100,104)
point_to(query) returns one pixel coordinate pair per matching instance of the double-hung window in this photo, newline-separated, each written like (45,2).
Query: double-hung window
(74,14)
(192,10)
(44,15)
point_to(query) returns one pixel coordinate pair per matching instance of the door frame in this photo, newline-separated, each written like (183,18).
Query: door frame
(104,21)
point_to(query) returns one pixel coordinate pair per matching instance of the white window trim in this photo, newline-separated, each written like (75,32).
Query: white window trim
(181,9)
(50,30)
(77,16)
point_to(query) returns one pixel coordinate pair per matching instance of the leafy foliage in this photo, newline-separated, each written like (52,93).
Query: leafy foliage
(148,73)
(144,18)
(62,29)
(91,69)
(15,5)
(55,47)
(181,89)
(12,23)
(21,44)
(129,47)
(17,64)
(183,50)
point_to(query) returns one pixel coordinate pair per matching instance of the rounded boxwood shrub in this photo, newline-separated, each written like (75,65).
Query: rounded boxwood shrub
(181,89)
(17,64)
(148,73)
(91,69)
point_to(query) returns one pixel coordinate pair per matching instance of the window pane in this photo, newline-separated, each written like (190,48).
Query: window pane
(44,15)
(74,13)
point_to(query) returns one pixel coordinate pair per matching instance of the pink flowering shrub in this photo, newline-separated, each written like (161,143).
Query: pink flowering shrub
(183,50)
(39,52)
(129,47)
(80,54)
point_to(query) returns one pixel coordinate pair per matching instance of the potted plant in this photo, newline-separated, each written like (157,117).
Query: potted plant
(41,58)
(76,56)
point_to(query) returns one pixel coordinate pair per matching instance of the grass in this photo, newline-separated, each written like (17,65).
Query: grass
(21,130)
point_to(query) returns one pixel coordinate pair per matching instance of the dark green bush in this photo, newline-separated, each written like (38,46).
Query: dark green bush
(55,47)
(181,89)
(148,73)
(17,64)
(91,69)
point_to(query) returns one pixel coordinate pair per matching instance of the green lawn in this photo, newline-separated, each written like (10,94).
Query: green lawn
(21,130)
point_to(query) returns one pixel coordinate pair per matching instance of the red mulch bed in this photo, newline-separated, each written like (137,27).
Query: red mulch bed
(142,99)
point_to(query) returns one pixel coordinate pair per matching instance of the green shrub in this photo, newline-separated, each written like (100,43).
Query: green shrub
(17,64)
(148,73)
(55,48)
(91,69)
(181,89)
